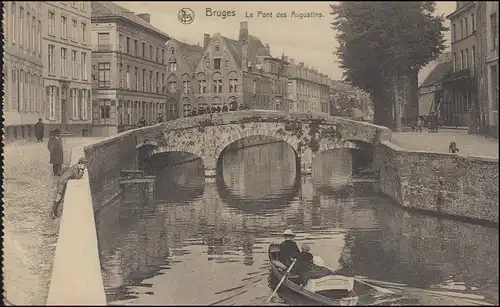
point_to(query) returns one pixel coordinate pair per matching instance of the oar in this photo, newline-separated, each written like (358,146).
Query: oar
(281,281)
(376,288)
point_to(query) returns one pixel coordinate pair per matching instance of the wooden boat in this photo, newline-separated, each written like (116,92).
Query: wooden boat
(337,294)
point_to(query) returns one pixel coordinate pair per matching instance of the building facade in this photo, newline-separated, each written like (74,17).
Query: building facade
(487,66)
(23,67)
(460,87)
(67,61)
(129,69)
(308,90)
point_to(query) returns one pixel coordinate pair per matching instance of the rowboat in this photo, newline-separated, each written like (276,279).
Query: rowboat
(336,290)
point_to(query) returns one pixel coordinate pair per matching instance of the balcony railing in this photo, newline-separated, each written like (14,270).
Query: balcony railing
(104,47)
(459,75)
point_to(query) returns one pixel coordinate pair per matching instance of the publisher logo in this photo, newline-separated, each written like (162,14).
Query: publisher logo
(186,16)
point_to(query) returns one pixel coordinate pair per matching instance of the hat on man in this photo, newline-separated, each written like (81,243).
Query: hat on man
(306,247)
(288,233)
(318,261)
(82,160)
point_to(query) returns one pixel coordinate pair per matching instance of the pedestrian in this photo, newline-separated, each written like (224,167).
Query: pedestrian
(74,172)
(452,148)
(39,127)
(56,152)
(419,124)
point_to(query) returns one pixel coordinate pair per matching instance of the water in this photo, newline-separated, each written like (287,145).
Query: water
(204,242)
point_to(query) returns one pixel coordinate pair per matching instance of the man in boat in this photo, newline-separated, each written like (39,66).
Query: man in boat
(288,248)
(304,263)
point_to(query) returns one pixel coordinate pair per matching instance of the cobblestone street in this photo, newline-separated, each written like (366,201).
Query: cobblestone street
(469,144)
(30,234)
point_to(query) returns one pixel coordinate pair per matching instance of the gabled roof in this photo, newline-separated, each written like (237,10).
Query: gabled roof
(255,48)
(101,9)
(192,53)
(437,74)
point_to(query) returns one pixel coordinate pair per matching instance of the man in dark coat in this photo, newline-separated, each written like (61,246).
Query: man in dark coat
(39,130)
(288,248)
(56,152)
(74,172)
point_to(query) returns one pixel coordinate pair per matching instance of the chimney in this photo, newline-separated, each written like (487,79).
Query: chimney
(243,31)
(268,49)
(244,56)
(285,58)
(145,16)
(292,61)
(206,40)
(301,64)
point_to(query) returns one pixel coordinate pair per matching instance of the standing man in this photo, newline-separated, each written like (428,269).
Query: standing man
(74,172)
(56,152)
(39,130)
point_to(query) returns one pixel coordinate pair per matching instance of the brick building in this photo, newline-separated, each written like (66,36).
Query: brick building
(128,67)
(22,68)
(67,62)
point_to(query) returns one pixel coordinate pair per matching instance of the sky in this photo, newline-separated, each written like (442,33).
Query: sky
(309,40)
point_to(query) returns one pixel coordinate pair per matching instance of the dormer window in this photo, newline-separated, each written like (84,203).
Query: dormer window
(217,48)
(216,63)
(172,51)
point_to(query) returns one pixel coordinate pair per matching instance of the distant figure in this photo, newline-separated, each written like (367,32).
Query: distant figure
(56,152)
(288,248)
(160,118)
(225,109)
(39,127)
(219,109)
(453,147)
(142,122)
(304,263)
(419,125)
(74,172)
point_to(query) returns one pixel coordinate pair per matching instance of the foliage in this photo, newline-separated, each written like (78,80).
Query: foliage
(345,97)
(382,41)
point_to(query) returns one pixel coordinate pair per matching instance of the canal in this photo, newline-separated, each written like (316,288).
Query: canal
(205,241)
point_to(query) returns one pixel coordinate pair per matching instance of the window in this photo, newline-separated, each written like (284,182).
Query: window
(136,48)
(84,33)
(21,25)
(64,27)
(33,34)
(494,87)
(157,82)
(172,51)
(462,58)
(461,29)
(127,50)
(103,70)
(83,61)
(103,42)
(14,22)
(27,102)
(105,110)
(21,89)
(185,87)
(233,85)
(163,83)
(120,75)
(157,55)
(143,50)
(454,32)
(163,56)
(466,58)
(73,64)
(473,60)
(172,66)
(64,59)
(466,26)
(150,52)
(128,76)
(216,48)
(216,63)
(143,80)
(84,95)
(172,86)
(40,38)
(151,83)
(473,22)
(217,83)
(494,30)
(51,58)
(136,75)
(28,33)
(52,94)
(74,103)
(82,5)
(74,32)
(254,87)
(120,42)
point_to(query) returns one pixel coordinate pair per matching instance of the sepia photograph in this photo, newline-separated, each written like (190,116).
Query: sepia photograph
(258,153)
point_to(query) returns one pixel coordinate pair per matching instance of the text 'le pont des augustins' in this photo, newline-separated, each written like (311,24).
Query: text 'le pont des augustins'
(223,14)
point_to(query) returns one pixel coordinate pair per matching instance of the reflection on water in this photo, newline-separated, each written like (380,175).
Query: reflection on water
(206,242)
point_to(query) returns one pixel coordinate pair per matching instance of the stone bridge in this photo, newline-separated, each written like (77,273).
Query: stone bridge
(206,136)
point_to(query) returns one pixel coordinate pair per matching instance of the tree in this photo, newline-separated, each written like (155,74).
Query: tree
(345,98)
(382,43)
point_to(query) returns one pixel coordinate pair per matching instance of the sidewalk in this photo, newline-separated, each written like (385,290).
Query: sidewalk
(469,144)
(29,232)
